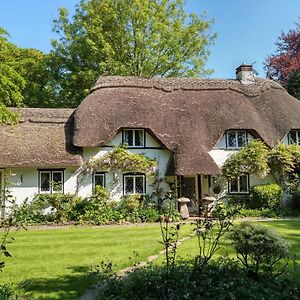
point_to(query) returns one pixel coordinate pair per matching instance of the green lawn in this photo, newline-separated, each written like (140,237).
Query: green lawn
(56,262)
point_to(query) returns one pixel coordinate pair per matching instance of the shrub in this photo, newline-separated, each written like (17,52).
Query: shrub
(266,196)
(295,200)
(59,206)
(258,248)
(130,202)
(222,279)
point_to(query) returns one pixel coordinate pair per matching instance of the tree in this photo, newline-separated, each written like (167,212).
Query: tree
(284,65)
(129,37)
(24,79)
(11,82)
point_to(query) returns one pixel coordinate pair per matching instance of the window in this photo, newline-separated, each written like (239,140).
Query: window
(134,184)
(99,179)
(239,185)
(294,137)
(236,139)
(51,181)
(133,137)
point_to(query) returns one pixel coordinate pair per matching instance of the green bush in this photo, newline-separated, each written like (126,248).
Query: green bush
(295,200)
(266,196)
(222,279)
(130,202)
(258,248)
(59,206)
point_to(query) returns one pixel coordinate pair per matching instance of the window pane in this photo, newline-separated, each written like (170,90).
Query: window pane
(139,184)
(231,139)
(241,139)
(99,179)
(57,181)
(234,186)
(128,185)
(244,183)
(45,181)
(293,137)
(139,137)
(128,137)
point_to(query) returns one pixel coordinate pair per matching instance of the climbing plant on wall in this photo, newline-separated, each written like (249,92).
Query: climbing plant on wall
(121,160)
(257,159)
(252,159)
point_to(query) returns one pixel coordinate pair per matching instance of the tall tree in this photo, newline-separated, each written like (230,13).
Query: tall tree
(284,65)
(129,37)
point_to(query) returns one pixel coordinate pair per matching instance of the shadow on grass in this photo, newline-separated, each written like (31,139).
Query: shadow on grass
(65,287)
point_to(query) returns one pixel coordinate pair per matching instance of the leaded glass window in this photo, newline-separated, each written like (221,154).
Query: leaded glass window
(133,137)
(99,179)
(294,137)
(134,184)
(236,139)
(51,181)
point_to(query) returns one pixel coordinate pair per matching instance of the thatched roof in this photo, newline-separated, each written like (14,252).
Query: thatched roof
(187,115)
(43,138)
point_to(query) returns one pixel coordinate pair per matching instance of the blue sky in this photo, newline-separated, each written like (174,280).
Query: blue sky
(247,30)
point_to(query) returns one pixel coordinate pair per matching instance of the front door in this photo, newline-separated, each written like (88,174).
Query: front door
(188,189)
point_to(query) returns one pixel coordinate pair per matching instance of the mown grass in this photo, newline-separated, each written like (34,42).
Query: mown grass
(55,263)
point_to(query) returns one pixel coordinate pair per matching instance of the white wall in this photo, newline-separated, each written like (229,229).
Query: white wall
(23,182)
(114,181)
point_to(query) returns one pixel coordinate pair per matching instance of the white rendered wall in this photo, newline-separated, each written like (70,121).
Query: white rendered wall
(114,181)
(23,182)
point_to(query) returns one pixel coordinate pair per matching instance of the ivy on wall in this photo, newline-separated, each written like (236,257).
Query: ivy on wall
(256,158)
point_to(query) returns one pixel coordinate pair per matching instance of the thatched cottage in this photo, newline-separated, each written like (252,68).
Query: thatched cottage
(189,126)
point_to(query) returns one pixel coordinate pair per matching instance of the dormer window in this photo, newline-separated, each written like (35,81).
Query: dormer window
(294,137)
(236,139)
(134,137)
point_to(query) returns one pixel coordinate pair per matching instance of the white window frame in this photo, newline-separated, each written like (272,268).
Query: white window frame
(51,188)
(102,174)
(134,176)
(297,137)
(236,132)
(239,186)
(133,137)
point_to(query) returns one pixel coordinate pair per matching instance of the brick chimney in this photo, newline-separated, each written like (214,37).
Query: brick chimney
(245,74)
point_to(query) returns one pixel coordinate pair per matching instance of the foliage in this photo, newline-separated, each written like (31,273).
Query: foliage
(56,207)
(266,196)
(258,249)
(6,225)
(10,292)
(286,60)
(209,231)
(257,159)
(268,213)
(141,38)
(252,159)
(294,202)
(293,85)
(121,160)
(24,79)
(130,202)
(223,279)
(283,160)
